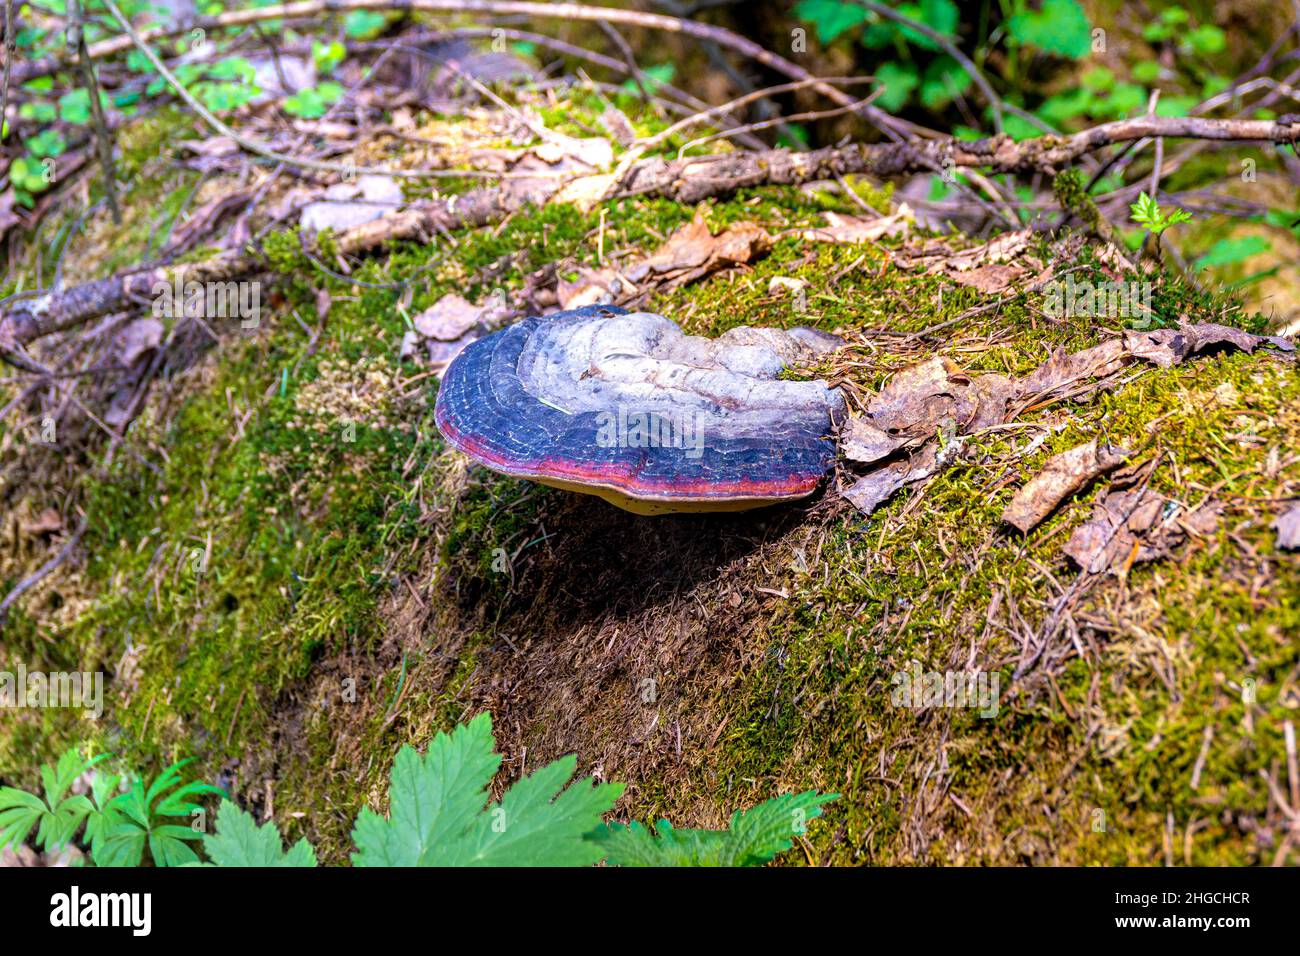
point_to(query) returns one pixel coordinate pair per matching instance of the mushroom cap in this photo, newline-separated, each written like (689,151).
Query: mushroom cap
(625,406)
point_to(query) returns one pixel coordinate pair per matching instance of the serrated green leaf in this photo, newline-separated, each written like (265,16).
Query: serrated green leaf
(239,841)
(437,818)
(897,82)
(753,837)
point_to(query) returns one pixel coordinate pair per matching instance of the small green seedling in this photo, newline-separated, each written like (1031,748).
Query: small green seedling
(1146,212)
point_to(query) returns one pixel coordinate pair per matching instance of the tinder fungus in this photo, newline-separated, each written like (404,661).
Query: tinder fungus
(624,405)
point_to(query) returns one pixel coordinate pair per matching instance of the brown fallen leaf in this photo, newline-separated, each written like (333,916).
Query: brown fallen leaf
(449,318)
(937,255)
(990,278)
(47,522)
(936,396)
(1288,529)
(1133,527)
(1061,477)
(921,400)
(864,442)
(552,164)
(841,228)
(880,484)
(693,252)
(593,286)
(346,205)
(206,220)
(1064,368)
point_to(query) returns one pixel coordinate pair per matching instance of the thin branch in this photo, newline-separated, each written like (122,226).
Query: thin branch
(688,180)
(77,43)
(39,575)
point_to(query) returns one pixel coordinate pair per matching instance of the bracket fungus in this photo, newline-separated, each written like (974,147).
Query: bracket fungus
(626,406)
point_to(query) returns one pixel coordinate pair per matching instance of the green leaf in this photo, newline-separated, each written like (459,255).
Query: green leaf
(1227,252)
(48,142)
(138,818)
(437,818)
(239,841)
(831,18)
(39,111)
(1057,109)
(74,107)
(943,82)
(1146,212)
(941,16)
(1157,31)
(313,102)
(327,56)
(1060,27)
(753,837)
(1098,79)
(1207,40)
(55,817)
(19,812)
(1148,71)
(1284,219)
(898,81)
(363,24)
(1175,105)
(654,77)
(1120,102)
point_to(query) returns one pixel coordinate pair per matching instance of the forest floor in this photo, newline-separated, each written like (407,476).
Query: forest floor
(289,600)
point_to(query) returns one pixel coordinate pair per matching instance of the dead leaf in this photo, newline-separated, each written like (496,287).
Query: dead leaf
(593,287)
(448,319)
(880,484)
(1063,368)
(693,252)
(347,205)
(1133,527)
(937,255)
(842,228)
(135,339)
(1288,529)
(935,395)
(1061,477)
(864,442)
(47,522)
(206,220)
(990,278)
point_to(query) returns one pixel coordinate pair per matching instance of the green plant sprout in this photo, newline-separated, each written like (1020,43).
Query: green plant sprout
(1147,213)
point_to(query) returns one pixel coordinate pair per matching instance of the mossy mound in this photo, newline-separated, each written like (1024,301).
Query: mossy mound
(292,576)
